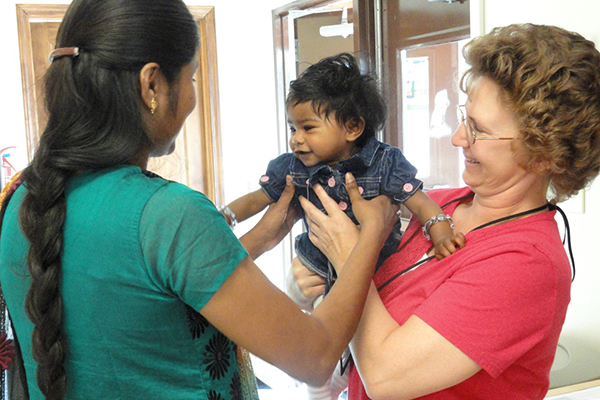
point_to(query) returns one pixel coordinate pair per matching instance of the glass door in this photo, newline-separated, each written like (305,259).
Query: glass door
(421,64)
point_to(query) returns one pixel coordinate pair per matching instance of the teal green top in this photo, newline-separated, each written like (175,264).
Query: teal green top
(140,255)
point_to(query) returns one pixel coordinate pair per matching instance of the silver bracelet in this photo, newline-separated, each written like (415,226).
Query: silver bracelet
(435,220)
(229,216)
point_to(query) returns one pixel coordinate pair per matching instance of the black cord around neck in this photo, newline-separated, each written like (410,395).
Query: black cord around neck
(549,206)
(567,236)
(521,214)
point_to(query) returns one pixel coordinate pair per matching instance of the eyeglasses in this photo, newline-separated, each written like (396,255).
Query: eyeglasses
(472,136)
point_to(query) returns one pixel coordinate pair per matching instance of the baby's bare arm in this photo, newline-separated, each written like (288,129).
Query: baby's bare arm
(446,242)
(249,205)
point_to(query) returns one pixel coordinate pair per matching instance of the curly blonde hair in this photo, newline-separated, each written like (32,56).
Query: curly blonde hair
(550,79)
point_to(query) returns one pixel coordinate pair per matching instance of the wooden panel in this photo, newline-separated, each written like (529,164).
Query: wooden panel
(196,161)
(35,25)
(311,46)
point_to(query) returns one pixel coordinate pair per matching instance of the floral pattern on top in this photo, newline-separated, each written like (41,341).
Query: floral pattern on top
(212,395)
(218,358)
(7,352)
(196,322)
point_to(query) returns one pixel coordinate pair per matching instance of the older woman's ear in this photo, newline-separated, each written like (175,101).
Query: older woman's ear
(541,167)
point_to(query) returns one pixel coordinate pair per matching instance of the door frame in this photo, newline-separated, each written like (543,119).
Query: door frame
(199,143)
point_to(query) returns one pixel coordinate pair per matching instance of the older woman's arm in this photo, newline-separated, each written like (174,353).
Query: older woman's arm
(394,361)
(404,361)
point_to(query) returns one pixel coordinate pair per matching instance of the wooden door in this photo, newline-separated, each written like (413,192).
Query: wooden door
(197,160)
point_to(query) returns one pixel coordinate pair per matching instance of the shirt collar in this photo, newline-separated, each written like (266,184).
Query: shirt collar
(364,158)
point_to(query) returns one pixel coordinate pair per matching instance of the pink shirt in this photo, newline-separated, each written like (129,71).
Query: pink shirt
(501,300)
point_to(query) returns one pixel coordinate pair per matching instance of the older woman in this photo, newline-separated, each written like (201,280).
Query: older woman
(484,323)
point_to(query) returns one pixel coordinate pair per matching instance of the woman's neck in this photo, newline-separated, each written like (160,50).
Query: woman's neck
(482,208)
(141,160)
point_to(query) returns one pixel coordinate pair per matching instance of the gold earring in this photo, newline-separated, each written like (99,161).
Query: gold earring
(152,106)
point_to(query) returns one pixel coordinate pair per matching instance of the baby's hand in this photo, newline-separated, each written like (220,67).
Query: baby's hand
(449,244)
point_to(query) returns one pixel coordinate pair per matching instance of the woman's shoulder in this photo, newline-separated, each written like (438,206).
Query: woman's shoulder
(116,178)
(174,195)
(130,185)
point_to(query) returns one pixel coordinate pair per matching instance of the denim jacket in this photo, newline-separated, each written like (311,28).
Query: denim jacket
(378,168)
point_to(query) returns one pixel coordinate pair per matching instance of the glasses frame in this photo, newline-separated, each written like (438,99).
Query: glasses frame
(471,134)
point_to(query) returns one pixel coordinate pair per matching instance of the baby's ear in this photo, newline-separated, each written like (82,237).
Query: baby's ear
(355,128)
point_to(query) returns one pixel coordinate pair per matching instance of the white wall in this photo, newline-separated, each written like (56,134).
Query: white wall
(581,332)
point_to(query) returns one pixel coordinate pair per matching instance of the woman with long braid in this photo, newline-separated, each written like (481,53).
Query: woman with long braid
(123,285)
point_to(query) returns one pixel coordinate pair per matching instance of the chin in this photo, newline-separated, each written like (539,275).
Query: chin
(306,162)
(170,150)
(468,180)
(163,151)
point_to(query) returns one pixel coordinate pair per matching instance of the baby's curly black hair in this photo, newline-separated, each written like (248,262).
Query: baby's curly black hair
(337,85)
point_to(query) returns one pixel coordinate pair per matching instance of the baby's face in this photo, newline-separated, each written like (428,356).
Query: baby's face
(315,139)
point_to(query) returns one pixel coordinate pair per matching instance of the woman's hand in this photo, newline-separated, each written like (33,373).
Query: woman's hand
(335,234)
(274,224)
(310,284)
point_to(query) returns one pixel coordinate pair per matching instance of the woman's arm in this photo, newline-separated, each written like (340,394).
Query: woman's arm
(252,312)
(274,225)
(404,361)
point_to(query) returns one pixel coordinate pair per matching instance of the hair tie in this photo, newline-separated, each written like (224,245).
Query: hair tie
(63,51)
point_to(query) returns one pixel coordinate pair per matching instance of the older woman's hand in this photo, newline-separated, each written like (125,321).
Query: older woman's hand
(334,233)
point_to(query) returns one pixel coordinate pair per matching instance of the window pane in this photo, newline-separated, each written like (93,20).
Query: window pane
(421,63)
(428,94)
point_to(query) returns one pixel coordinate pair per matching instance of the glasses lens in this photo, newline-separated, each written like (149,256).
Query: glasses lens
(470,132)
(460,115)
(463,120)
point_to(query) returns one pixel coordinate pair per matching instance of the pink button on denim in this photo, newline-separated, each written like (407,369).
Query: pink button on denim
(264,178)
(307,181)
(343,206)
(408,187)
(331,182)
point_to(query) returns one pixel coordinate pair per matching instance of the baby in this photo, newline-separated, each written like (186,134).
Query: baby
(334,112)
